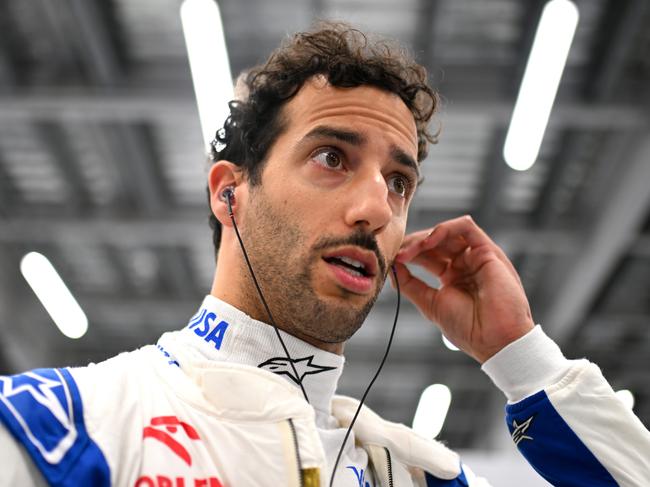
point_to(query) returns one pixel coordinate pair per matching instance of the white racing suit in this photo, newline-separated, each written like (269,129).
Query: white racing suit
(216,405)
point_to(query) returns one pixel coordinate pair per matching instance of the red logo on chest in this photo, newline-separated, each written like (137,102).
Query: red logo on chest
(164,428)
(172,432)
(163,481)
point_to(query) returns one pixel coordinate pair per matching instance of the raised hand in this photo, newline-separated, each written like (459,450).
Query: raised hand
(481,305)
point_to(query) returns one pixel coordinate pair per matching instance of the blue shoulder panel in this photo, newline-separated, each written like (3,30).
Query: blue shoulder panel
(459,481)
(551,446)
(44,412)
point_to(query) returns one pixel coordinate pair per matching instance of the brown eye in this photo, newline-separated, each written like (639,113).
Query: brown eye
(328,158)
(332,159)
(399,185)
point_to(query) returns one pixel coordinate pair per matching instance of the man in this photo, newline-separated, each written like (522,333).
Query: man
(317,166)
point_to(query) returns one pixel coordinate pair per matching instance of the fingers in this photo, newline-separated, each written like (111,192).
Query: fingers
(451,236)
(474,259)
(414,238)
(419,293)
(435,262)
(450,245)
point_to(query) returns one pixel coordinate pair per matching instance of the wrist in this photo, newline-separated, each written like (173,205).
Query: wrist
(527,365)
(486,353)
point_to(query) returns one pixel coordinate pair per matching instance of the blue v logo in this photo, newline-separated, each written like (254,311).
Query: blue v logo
(360,475)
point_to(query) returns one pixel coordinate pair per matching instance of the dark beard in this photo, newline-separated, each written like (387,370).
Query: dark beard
(285,276)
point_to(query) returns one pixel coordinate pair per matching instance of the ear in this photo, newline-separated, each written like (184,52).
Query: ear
(222,175)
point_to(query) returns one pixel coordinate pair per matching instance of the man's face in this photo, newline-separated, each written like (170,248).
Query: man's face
(329,216)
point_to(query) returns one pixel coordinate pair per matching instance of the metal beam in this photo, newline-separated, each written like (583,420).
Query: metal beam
(604,169)
(549,204)
(155,103)
(9,194)
(532,11)
(8,79)
(139,171)
(619,22)
(54,21)
(530,269)
(95,43)
(131,145)
(8,271)
(173,229)
(425,34)
(177,272)
(614,146)
(641,248)
(495,177)
(122,271)
(615,232)
(56,143)
(619,25)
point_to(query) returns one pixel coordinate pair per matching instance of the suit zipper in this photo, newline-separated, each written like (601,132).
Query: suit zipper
(390,468)
(295,444)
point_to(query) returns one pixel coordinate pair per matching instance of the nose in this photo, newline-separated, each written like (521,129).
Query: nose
(369,206)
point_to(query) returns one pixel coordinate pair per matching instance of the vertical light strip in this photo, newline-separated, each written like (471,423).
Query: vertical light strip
(432,410)
(539,85)
(55,296)
(209,64)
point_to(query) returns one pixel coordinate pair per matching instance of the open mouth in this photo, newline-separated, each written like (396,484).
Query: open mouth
(353,266)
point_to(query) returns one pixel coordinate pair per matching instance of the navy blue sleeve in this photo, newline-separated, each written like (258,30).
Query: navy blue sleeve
(43,410)
(459,481)
(551,446)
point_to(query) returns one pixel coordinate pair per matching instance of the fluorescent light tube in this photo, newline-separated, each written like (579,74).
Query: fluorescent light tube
(449,345)
(432,410)
(55,296)
(209,64)
(539,85)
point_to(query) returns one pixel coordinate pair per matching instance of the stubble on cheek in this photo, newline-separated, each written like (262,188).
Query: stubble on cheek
(287,268)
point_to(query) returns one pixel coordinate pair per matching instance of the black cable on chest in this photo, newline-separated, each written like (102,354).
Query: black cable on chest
(374,378)
(227,196)
(259,291)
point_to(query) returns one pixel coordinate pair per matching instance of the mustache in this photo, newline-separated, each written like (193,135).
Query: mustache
(360,239)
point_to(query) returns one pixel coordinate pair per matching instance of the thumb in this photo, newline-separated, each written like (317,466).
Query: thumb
(418,292)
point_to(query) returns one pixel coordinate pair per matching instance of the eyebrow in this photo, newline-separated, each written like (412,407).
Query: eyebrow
(356,139)
(348,136)
(403,158)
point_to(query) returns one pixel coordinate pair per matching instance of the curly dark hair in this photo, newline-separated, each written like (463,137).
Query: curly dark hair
(347,58)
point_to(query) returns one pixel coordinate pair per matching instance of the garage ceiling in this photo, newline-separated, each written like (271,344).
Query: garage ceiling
(102,170)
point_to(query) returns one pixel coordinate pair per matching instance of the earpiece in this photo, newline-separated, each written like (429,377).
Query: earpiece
(228,194)
(228,197)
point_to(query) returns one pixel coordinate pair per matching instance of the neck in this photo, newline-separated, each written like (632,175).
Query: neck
(219,332)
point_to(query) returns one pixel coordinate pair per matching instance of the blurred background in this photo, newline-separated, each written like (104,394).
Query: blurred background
(102,170)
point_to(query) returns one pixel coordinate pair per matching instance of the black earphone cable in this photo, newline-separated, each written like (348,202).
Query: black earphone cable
(286,351)
(259,291)
(381,365)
